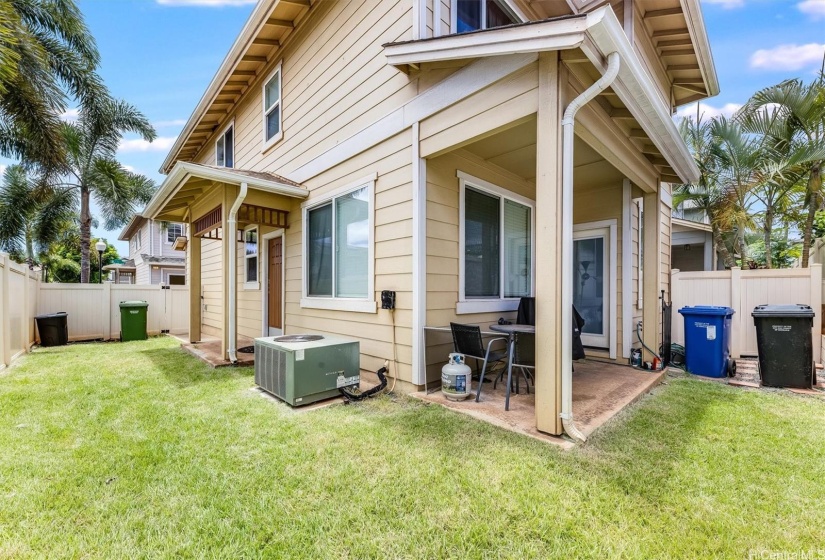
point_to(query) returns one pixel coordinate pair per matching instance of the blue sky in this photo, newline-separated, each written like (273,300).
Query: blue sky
(161,54)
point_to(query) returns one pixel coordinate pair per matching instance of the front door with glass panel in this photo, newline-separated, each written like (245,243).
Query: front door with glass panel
(591,282)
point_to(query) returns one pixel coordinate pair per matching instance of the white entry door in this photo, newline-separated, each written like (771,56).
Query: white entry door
(591,284)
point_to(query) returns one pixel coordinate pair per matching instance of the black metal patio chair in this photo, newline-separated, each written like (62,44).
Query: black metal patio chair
(467,340)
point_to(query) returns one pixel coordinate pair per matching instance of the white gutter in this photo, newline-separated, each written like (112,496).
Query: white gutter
(567,124)
(232,239)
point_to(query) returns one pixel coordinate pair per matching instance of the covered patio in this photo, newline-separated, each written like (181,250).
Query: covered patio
(600,391)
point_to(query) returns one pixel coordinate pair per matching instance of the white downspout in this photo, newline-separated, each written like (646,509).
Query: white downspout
(567,124)
(232,237)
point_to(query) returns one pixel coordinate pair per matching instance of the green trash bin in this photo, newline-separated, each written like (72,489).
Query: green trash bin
(133,320)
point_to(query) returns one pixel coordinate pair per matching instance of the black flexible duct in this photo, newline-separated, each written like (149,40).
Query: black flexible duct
(353,397)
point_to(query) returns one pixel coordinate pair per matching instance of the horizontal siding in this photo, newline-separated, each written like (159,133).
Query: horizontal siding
(212,287)
(335,82)
(390,160)
(443,245)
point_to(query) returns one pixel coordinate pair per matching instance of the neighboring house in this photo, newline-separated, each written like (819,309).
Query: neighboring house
(157,252)
(345,148)
(692,247)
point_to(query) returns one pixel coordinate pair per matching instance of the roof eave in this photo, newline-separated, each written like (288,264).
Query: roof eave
(182,170)
(128,229)
(637,91)
(698,34)
(256,19)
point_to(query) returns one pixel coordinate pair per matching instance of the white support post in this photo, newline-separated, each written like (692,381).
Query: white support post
(5,327)
(738,324)
(627,269)
(419,180)
(816,304)
(106,305)
(24,316)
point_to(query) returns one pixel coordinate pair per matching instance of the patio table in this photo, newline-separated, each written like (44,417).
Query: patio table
(510,331)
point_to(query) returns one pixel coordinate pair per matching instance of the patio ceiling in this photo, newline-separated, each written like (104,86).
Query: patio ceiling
(514,149)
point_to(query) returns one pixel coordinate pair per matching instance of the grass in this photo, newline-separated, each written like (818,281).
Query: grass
(138,450)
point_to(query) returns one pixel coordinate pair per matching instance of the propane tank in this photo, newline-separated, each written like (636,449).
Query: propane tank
(456,378)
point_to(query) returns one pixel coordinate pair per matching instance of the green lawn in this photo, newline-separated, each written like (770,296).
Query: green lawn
(137,450)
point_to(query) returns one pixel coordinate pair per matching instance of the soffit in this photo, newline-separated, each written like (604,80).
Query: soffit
(257,47)
(666,24)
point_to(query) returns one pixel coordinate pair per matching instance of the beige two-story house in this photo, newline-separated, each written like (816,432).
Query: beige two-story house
(157,253)
(461,153)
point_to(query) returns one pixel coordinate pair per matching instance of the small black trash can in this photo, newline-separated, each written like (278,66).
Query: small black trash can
(53,329)
(783,338)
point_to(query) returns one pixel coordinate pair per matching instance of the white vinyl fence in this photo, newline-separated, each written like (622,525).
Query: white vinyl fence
(743,290)
(18,297)
(93,309)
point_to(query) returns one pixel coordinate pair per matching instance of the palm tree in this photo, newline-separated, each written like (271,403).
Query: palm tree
(46,54)
(801,111)
(32,215)
(705,197)
(93,169)
(740,156)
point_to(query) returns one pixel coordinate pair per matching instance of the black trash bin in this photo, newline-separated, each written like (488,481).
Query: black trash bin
(53,329)
(783,338)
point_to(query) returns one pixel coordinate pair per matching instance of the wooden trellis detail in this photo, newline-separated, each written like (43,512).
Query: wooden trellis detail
(208,224)
(251,214)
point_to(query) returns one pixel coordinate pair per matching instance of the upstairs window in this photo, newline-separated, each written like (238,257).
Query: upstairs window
(272,107)
(472,15)
(138,241)
(225,148)
(173,231)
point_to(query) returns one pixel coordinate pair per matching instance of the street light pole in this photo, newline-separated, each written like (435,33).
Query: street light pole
(100,246)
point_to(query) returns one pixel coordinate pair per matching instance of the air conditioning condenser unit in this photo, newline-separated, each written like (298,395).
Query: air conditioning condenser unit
(303,369)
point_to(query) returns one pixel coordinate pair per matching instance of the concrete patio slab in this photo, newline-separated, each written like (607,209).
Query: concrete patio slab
(600,391)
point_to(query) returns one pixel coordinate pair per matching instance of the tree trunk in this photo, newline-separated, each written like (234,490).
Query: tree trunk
(743,248)
(814,183)
(722,249)
(85,235)
(767,229)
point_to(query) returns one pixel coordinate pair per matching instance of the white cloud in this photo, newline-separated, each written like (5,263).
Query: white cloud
(707,111)
(169,123)
(726,4)
(813,8)
(3,169)
(208,3)
(161,144)
(788,57)
(71,115)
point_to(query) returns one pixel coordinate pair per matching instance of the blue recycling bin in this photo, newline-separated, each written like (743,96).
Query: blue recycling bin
(707,339)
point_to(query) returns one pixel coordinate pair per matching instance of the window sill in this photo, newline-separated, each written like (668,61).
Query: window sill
(486,306)
(355,305)
(251,285)
(269,144)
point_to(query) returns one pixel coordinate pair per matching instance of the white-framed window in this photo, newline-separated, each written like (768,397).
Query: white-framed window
(173,231)
(225,148)
(496,247)
(472,15)
(138,240)
(250,255)
(272,114)
(338,245)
